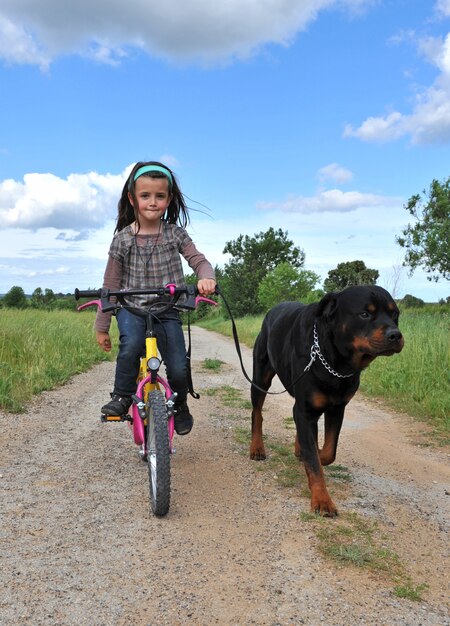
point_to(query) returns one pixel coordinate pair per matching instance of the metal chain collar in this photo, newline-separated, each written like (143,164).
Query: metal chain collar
(315,352)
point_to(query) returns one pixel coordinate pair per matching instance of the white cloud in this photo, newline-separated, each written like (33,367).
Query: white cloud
(428,124)
(378,128)
(169,160)
(52,272)
(429,121)
(189,30)
(330,201)
(438,52)
(18,46)
(335,172)
(105,55)
(443,6)
(80,202)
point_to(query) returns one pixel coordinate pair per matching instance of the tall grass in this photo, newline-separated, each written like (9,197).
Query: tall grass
(248,327)
(415,381)
(42,349)
(418,380)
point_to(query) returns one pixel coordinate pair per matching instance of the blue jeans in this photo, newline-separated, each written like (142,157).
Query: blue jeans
(171,345)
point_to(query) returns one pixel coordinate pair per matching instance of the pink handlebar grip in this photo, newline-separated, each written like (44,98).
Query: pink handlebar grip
(207,300)
(91,303)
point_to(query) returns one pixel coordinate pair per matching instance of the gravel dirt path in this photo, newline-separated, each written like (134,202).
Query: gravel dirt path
(80,547)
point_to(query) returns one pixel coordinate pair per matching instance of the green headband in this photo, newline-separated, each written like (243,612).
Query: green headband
(153,168)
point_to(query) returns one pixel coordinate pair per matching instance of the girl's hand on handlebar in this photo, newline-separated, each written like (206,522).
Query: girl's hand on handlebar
(206,286)
(104,341)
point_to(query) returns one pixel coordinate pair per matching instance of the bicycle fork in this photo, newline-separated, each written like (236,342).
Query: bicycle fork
(149,380)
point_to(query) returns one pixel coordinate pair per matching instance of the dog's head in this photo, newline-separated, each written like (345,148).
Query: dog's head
(363,322)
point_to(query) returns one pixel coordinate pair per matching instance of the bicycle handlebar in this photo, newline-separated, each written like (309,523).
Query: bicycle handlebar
(171,290)
(87,293)
(190,291)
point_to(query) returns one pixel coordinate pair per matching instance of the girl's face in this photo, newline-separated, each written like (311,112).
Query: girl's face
(153,199)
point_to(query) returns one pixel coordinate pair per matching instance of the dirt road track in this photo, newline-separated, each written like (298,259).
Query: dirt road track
(79,546)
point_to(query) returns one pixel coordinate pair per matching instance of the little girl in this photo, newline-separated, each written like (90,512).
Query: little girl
(145,253)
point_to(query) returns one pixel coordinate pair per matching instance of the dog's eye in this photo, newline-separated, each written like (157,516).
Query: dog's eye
(365,315)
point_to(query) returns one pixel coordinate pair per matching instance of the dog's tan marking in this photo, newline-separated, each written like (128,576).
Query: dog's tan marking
(257,450)
(319,400)
(361,344)
(297,450)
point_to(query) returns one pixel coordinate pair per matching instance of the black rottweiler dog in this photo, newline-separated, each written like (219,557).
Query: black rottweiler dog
(318,352)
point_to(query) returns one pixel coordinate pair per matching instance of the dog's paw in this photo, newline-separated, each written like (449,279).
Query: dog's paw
(324,507)
(257,454)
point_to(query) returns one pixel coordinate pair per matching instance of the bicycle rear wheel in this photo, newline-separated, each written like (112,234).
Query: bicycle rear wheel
(158,454)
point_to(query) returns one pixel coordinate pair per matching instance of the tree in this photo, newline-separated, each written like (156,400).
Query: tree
(286,282)
(43,299)
(252,258)
(37,298)
(348,274)
(49,297)
(15,298)
(427,241)
(393,280)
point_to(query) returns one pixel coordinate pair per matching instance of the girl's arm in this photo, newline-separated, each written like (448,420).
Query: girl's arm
(201,266)
(111,280)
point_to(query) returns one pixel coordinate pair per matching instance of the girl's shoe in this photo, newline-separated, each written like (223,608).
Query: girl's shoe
(118,405)
(183,419)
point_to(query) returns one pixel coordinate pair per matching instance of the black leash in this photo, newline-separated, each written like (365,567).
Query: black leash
(193,393)
(238,350)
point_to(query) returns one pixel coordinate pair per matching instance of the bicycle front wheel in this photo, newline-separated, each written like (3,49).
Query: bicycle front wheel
(158,453)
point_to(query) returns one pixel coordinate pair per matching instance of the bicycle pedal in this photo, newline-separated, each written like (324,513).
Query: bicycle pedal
(114,418)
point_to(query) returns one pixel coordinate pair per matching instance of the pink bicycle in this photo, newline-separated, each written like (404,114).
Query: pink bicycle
(151,415)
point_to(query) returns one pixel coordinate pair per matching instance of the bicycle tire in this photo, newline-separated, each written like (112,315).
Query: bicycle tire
(158,454)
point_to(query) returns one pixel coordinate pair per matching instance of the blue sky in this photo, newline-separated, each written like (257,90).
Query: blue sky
(320,117)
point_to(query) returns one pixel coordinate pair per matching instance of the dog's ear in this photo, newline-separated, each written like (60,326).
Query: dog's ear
(327,306)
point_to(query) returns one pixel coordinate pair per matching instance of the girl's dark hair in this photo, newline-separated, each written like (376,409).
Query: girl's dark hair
(177,210)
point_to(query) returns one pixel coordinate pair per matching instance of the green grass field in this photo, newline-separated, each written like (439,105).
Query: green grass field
(42,349)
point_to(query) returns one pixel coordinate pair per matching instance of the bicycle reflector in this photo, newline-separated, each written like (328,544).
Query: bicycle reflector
(153,364)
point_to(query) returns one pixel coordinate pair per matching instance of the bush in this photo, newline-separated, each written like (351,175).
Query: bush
(15,298)
(411,302)
(286,282)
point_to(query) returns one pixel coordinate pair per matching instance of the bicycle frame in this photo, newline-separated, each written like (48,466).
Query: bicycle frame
(148,382)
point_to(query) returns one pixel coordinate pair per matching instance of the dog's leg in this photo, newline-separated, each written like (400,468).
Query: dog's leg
(262,377)
(333,424)
(307,438)
(257,449)
(297,448)
(297,451)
